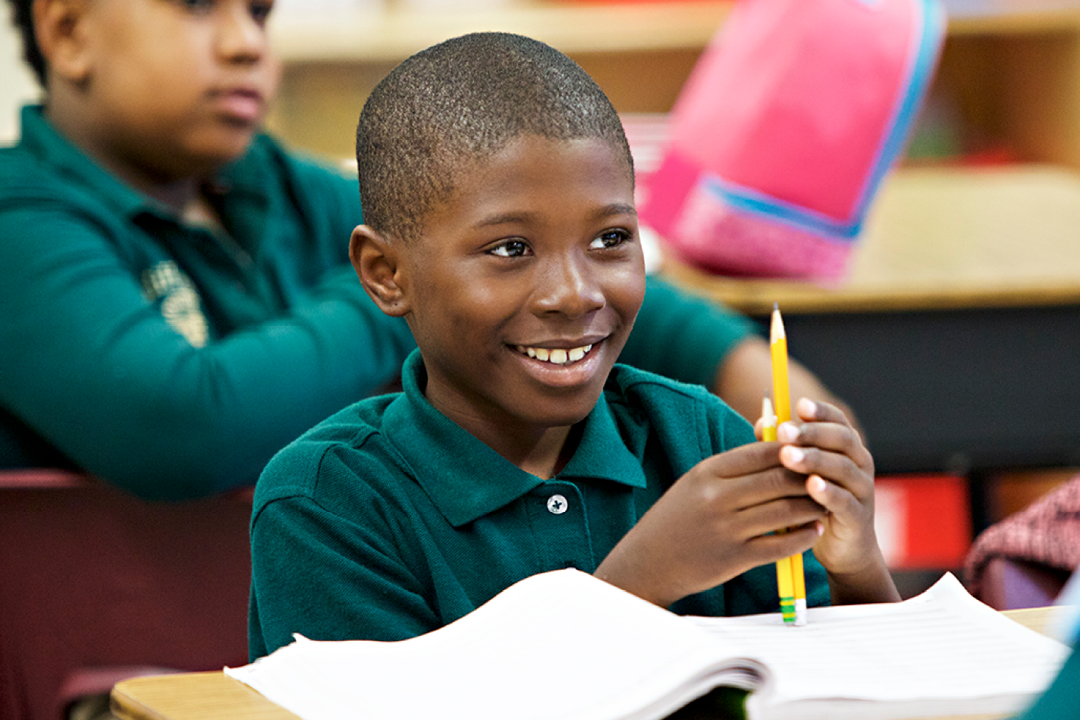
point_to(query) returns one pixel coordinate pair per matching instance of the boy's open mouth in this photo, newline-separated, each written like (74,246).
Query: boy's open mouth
(558,356)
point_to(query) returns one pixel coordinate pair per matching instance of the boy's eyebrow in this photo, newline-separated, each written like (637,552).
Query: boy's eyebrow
(599,214)
(616,209)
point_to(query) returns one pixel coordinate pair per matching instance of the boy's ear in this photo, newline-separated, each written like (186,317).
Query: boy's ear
(58,27)
(379,267)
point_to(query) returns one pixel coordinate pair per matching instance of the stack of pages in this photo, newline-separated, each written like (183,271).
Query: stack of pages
(566,645)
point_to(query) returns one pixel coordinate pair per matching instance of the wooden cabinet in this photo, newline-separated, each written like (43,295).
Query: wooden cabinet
(1012,73)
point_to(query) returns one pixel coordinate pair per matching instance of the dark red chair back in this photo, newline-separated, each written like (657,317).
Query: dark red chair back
(97,586)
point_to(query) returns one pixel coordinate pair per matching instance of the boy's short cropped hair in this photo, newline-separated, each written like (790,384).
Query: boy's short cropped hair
(459,102)
(22,17)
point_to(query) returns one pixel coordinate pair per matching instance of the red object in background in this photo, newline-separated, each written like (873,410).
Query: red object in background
(97,586)
(923,521)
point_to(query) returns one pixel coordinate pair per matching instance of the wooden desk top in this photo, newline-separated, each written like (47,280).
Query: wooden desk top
(215,696)
(941,238)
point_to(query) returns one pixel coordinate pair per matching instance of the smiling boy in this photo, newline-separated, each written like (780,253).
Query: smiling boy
(500,223)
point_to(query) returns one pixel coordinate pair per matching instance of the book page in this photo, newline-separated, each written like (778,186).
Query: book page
(938,646)
(557,645)
(566,645)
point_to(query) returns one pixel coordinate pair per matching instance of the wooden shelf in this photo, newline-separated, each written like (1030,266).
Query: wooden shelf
(942,238)
(394,34)
(979,17)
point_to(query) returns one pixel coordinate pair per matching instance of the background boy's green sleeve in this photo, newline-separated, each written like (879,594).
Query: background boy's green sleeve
(93,368)
(682,336)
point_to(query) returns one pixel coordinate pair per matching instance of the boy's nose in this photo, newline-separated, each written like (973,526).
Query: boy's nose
(240,36)
(568,287)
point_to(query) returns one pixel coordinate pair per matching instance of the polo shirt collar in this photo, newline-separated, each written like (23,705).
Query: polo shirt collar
(466,479)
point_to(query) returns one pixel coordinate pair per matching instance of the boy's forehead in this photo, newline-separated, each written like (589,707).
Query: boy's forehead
(520,151)
(478,181)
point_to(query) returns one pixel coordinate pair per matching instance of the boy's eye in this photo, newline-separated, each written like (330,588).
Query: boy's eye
(260,11)
(510,248)
(196,6)
(609,239)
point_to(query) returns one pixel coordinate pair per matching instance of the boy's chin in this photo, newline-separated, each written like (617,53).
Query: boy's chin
(222,150)
(563,411)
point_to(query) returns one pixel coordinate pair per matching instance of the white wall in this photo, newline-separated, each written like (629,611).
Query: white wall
(17,84)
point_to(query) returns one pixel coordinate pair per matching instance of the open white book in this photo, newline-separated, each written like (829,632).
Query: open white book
(566,645)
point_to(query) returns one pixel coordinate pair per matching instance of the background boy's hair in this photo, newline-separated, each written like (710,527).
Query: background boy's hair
(22,17)
(454,104)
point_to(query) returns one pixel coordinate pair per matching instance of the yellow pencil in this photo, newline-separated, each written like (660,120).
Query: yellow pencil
(778,348)
(784,582)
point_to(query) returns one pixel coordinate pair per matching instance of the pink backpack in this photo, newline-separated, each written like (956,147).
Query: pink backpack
(785,129)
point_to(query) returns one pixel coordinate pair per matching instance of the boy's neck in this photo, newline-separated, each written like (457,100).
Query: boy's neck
(175,193)
(549,454)
(542,452)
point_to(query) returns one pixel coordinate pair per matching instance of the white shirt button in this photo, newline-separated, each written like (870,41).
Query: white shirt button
(557,505)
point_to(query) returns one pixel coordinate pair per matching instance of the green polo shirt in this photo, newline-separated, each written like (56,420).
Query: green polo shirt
(388,520)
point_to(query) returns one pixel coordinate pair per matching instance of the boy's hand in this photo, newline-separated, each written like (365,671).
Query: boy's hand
(714,523)
(839,474)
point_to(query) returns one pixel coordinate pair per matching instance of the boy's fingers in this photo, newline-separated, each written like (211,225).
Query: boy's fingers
(743,460)
(780,514)
(841,439)
(758,424)
(838,468)
(761,488)
(794,541)
(832,497)
(812,411)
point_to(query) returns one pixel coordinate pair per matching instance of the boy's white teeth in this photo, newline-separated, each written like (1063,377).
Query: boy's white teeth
(557,356)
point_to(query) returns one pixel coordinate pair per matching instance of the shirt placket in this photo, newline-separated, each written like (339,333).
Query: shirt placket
(559,521)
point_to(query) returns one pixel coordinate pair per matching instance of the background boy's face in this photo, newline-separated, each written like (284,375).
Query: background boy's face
(174,86)
(524,286)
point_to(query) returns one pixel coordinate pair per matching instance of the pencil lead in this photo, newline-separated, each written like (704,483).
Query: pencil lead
(776,326)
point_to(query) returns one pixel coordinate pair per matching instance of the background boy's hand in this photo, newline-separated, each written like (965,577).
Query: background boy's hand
(715,523)
(840,477)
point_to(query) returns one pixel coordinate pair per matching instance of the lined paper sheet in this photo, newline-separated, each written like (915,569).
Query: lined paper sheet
(558,645)
(567,645)
(944,644)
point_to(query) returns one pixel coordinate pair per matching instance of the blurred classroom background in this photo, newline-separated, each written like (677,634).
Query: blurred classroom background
(961,379)
(17,85)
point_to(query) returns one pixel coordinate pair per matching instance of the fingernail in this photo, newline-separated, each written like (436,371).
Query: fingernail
(820,528)
(807,407)
(787,432)
(794,454)
(816,484)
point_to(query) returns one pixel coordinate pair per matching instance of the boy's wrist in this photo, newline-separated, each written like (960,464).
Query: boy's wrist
(643,584)
(872,583)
